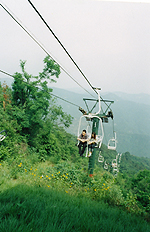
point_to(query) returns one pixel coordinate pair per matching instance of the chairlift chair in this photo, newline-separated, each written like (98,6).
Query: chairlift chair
(100,158)
(112,143)
(99,136)
(117,156)
(3,135)
(115,170)
(120,157)
(105,165)
(114,163)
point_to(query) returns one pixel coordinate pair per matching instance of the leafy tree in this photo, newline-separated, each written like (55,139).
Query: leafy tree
(10,147)
(32,100)
(141,187)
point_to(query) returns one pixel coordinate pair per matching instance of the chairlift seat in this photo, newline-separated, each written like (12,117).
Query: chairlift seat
(114,163)
(100,158)
(105,165)
(115,170)
(112,143)
(2,136)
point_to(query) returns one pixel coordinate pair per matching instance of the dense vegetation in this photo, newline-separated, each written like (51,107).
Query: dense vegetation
(44,184)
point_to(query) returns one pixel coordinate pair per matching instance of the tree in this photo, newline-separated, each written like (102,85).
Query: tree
(141,187)
(32,100)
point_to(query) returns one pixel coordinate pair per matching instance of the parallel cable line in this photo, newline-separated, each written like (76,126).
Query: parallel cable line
(63,48)
(41,46)
(61,44)
(40,89)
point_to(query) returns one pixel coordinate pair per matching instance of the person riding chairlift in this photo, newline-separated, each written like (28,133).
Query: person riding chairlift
(83,142)
(92,143)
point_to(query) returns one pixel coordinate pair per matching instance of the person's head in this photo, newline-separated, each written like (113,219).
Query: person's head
(83,132)
(93,135)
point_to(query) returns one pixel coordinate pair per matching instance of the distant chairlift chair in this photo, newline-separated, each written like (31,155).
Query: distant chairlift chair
(112,143)
(100,158)
(3,135)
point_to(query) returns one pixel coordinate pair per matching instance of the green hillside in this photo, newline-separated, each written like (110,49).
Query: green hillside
(45,184)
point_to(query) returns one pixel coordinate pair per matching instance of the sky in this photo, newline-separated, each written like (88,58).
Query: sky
(109,41)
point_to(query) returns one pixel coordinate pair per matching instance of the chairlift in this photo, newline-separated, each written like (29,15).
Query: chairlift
(114,163)
(86,121)
(117,156)
(115,170)
(100,158)
(120,157)
(3,135)
(105,165)
(112,143)
(83,122)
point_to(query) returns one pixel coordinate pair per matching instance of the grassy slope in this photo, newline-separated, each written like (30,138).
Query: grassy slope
(25,208)
(48,197)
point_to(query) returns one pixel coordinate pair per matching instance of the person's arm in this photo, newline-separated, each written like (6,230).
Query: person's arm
(79,138)
(82,140)
(92,141)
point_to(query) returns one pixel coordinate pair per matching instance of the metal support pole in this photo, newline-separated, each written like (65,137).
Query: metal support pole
(92,157)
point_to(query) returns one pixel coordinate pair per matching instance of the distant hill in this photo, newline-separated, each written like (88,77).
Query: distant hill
(138,98)
(131,117)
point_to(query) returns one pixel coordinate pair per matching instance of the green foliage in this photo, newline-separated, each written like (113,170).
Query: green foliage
(58,117)
(5,152)
(141,187)
(33,105)
(131,202)
(11,146)
(50,69)
(132,164)
(30,101)
(30,110)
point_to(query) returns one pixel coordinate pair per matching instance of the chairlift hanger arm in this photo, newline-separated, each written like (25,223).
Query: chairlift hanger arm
(88,99)
(102,100)
(86,105)
(107,109)
(96,101)
(108,106)
(90,111)
(106,101)
(93,107)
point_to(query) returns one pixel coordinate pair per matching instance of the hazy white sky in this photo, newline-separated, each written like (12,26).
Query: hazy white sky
(109,40)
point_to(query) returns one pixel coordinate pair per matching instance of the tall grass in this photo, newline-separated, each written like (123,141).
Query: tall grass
(26,208)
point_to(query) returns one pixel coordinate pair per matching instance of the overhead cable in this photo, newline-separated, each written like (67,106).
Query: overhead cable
(64,49)
(61,44)
(42,47)
(40,89)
